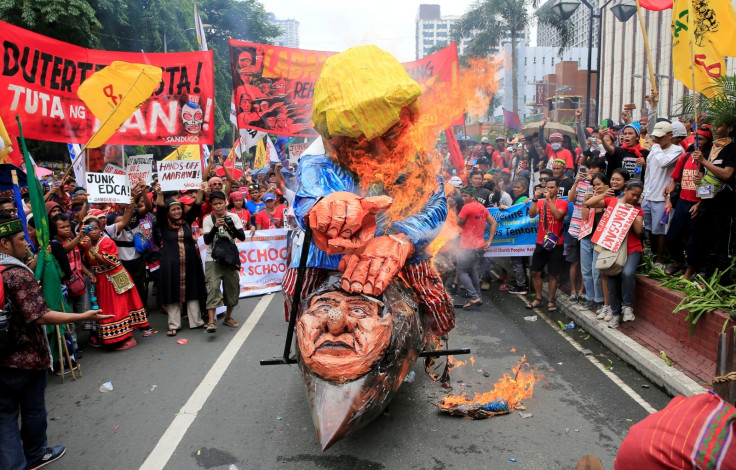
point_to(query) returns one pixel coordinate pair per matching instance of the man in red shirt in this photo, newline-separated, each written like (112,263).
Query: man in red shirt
(551,213)
(472,218)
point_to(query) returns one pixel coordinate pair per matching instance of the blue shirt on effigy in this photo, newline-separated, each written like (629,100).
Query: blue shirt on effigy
(319,175)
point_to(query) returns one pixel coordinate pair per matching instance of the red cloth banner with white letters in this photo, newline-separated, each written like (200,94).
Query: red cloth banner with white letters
(614,226)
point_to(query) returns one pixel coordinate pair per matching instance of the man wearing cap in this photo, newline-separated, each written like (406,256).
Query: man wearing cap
(554,149)
(660,163)
(564,182)
(630,156)
(226,227)
(272,216)
(25,358)
(364,106)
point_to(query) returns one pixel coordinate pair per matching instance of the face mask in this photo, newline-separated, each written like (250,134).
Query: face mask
(556,146)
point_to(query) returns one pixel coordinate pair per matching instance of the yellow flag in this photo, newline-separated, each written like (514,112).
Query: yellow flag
(6,145)
(185,152)
(261,159)
(114,93)
(709,26)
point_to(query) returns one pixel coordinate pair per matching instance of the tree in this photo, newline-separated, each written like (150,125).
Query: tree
(489,21)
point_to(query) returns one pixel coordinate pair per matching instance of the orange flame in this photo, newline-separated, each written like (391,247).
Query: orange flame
(513,388)
(455,363)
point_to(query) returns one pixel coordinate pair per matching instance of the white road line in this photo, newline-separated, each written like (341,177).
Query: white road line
(160,455)
(615,378)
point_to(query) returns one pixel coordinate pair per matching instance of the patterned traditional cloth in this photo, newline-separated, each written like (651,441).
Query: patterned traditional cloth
(116,295)
(690,433)
(422,277)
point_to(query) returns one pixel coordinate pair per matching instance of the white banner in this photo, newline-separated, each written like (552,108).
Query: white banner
(113,169)
(107,188)
(179,174)
(263,261)
(140,168)
(296,150)
(614,226)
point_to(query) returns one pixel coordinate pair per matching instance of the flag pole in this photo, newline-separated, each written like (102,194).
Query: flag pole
(646,47)
(695,92)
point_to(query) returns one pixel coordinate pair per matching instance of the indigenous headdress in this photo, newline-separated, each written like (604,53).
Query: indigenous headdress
(360,92)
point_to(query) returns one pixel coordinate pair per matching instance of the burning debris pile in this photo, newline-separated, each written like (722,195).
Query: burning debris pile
(506,396)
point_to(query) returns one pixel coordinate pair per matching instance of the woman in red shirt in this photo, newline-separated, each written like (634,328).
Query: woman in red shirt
(621,287)
(237,207)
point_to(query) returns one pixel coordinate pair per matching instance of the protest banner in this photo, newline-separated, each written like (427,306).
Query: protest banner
(274,86)
(296,150)
(516,234)
(107,188)
(140,168)
(614,226)
(263,261)
(175,175)
(114,169)
(40,77)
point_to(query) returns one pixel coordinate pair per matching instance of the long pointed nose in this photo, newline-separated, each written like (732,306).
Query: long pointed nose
(336,321)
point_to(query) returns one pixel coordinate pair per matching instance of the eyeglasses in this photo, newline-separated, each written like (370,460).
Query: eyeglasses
(544,180)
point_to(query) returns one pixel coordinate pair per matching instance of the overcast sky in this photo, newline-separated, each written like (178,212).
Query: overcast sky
(332,25)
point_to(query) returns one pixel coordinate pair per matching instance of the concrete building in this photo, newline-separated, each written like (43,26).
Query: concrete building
(624,71)
(433,29)
(547,36)
(534,66)
(289,31)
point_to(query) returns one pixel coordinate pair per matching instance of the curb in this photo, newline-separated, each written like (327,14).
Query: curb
(650,365)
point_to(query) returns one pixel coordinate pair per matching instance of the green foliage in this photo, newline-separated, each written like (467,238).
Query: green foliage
(719,109)
(71,20)
(564,29)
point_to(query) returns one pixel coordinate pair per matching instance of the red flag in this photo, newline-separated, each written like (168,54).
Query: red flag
(456,156)
(656,5)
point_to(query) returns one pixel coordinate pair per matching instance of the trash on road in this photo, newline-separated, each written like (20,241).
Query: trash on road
(525,415)
(117,427)
(153,387)
(182,341)
(279,418)
(666,359)
(511,459)
(586,352)
(531,318)
(410,377)
(644,386)
(106,387)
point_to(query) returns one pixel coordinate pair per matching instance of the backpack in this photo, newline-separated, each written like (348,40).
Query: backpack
(9,336)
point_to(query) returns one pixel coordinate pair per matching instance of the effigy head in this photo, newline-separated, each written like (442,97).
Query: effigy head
(360,93)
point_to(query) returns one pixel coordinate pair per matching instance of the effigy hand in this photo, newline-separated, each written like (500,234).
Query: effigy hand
(343,222)
(371,271)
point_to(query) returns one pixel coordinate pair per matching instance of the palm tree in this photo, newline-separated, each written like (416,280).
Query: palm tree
(488,21)
(719,108)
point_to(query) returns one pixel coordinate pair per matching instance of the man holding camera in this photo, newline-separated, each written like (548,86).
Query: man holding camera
(221,227)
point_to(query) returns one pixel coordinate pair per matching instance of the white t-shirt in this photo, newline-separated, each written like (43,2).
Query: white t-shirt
(660,164)
(208,224)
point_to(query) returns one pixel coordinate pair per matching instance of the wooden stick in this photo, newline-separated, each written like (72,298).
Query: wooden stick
(646,47)
(695,93)
(725,363)
(66,353)
(61,358)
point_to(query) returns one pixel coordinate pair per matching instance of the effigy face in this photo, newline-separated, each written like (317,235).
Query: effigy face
(354,352)
(341,336)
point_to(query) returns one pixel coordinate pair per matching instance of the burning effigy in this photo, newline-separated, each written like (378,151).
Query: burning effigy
(354,351)
(505,396)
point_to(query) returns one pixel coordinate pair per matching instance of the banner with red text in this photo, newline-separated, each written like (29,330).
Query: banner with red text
(274,86)
(614,226)
(40,76)
(263,261)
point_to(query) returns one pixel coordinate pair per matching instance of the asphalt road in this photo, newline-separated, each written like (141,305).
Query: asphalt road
(181,407)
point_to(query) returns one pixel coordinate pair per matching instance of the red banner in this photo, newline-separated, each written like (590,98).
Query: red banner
(614,226)
(40,76)
(274,86)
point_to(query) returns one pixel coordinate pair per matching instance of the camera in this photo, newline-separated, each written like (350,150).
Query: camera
(229,221)
(88,229)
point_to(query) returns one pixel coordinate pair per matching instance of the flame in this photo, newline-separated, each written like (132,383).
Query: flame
(472,361)
(455,363)
(512,387)
(450,229)
(406,166)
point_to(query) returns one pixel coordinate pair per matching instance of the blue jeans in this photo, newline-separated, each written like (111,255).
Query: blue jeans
(467,271)
(621,287)
(22,392)
(591,276)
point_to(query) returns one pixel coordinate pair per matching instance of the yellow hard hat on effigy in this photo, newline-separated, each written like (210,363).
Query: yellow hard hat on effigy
(360,92)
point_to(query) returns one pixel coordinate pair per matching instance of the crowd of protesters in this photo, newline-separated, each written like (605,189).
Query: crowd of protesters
(677,176)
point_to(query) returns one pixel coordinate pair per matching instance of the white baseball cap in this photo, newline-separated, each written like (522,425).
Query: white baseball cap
(456,181)
(661,129)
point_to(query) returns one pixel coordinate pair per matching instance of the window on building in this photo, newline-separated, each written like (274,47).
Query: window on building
(542,60)
(428,42)
(442,26)
(441,34)
(553,61)
(525,61)
(428,34)
(428,26)
(535,60)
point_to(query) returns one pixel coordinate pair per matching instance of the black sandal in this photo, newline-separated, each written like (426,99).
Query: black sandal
(536,303)
(171,333)
(551,307)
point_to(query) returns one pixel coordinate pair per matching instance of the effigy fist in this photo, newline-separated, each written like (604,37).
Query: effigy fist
(344,222)
(371,271)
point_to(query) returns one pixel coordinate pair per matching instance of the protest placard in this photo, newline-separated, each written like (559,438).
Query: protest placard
(175,175)
(113,169)
(516,233)
(263,261)
(614,226)
(107,188)
(296,150)
(140,168)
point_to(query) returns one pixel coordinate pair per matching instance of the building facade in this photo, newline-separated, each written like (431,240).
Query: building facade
(580,20)
(433,29)
(289,31)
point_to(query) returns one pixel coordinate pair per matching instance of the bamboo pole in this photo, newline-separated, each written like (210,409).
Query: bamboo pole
(61,357)
(646,47)
(695,93)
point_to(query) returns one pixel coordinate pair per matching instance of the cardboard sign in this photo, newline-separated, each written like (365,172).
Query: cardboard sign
(614,226)
(263,261)
(107,188)
(296,150)
(113,169)
(140,168)
(175,175)
(40,77)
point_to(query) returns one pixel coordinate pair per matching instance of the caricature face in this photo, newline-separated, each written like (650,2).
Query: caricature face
(245,60)
(245,104)
(191,116)
(271,121)
(279,88)
(342,336)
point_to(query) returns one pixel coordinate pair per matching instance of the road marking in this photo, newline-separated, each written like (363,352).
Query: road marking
(615,378)
(160,455)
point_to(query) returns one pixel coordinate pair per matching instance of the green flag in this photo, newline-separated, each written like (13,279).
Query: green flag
(48,271)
